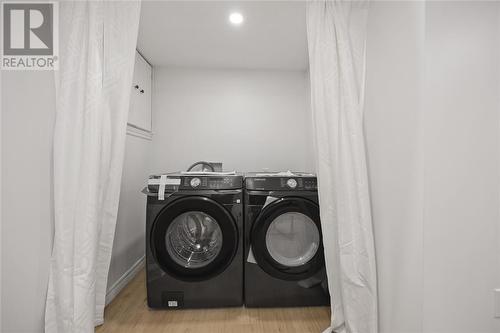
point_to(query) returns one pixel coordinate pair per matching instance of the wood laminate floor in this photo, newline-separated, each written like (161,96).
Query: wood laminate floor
(129,313)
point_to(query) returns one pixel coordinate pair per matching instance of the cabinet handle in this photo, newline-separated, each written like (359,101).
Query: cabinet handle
(142,91)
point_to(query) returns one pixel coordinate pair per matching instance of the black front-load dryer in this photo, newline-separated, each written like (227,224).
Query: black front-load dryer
(284,260)
(194,252)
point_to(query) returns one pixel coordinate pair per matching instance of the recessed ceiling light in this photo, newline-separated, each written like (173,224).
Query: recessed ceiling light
(236,18)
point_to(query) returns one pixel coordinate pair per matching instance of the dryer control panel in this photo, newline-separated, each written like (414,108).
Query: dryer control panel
(281,183)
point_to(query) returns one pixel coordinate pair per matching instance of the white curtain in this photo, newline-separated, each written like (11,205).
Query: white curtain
(97,48)
(336,32)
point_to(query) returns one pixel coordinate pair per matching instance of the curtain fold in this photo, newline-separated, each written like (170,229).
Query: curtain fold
(97,51)
(336,32)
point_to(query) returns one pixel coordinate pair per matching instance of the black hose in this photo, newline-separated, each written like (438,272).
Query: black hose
(202,163)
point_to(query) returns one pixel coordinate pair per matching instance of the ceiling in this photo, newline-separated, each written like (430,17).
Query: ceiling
(198,34)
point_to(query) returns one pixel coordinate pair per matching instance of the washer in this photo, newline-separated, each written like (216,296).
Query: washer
(194,252)
(284,260)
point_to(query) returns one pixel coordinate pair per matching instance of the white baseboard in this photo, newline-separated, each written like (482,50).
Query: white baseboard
(124,280)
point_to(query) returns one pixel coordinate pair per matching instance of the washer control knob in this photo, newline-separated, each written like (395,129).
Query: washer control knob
(292,183)
(195,182)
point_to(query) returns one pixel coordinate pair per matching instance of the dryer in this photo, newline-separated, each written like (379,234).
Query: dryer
(194,248)
(284,260)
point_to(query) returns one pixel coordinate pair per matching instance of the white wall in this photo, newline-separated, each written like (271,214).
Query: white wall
(249,120)
(461,112)
(129,244)
(393,136)
(432,123)
(28,102)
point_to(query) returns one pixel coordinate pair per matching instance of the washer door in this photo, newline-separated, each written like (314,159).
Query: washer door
(287,240)
(194,238)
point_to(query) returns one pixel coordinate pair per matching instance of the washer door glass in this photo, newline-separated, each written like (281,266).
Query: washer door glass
(193,239)
(292,239)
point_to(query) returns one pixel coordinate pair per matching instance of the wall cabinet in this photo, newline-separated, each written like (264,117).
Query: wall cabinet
(139,118)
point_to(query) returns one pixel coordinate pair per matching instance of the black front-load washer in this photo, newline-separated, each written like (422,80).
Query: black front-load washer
(284,260)
(194,251)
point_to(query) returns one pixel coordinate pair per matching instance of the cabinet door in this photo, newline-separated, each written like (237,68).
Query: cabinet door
(140,98)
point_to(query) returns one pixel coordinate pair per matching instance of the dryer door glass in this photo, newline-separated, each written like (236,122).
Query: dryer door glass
(193,239)
(292,239)
(286,239)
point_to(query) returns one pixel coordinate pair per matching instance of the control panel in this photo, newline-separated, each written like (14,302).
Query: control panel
(211,182)
(196,182)
(281,183)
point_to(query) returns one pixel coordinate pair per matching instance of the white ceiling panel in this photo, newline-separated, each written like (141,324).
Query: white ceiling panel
(198,34)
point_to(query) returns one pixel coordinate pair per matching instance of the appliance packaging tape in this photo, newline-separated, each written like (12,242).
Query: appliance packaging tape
(168,181)
(162,182)
(269,199)
(161,189)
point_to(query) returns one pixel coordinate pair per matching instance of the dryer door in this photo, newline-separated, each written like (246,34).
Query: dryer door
(286,239)
(194,238)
